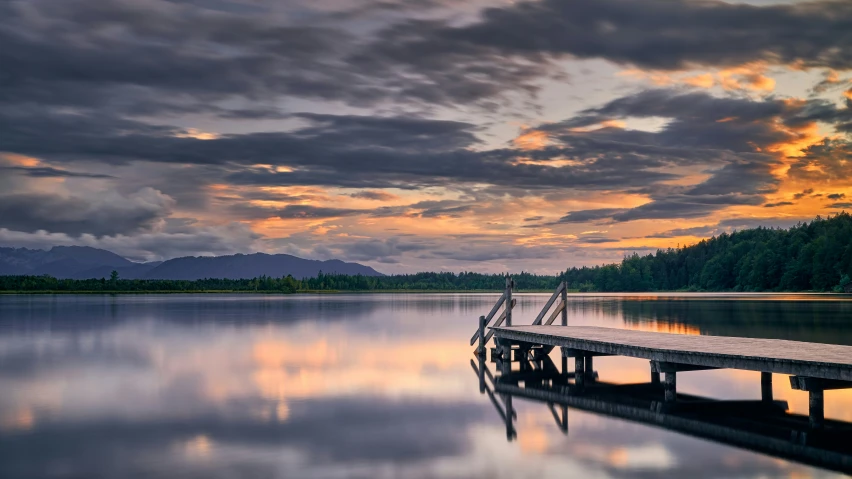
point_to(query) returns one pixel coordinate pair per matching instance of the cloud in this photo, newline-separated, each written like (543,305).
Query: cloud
(177,238)
(50,172)
(107,214)
(836,196)
(653,34)
(584,216)
(373,195)
(803,194)
(780,203)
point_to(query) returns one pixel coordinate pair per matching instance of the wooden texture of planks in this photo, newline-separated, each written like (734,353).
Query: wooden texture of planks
(826,361)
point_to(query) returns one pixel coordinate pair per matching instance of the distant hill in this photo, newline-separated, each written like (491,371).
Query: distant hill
(83,262)
(253,265)
(64,262)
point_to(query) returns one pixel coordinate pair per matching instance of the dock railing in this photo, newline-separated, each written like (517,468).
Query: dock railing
(561,290)
(505,316)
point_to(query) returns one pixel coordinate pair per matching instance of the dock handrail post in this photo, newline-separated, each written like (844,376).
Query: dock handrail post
(509,285)
(564,303)
(481,349)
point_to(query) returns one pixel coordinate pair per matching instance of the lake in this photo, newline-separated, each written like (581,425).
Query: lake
(367,385)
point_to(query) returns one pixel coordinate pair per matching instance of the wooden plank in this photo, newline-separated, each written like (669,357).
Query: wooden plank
(827,361)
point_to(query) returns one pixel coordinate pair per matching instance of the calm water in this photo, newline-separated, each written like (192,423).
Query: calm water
(352,386)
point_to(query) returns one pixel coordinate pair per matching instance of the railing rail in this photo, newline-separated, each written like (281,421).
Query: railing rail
(506,316)
(499,322)
(559,290)
(489,316)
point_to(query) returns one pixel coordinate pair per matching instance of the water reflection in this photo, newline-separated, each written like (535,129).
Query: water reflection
(337,386)
(759,425)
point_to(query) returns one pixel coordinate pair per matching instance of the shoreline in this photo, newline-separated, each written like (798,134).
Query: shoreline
(404,291)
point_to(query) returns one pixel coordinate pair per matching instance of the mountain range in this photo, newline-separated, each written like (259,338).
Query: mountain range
(83,262)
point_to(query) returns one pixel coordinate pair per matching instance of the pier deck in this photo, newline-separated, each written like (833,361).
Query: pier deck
(824,361)
(813,367)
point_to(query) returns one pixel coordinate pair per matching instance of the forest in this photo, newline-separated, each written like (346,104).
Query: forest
(814,256)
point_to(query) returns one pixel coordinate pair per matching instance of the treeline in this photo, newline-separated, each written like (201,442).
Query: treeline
(815,256)
(287,284)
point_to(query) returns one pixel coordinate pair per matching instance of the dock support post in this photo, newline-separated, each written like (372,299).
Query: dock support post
(481,350)
(590,370)
(766,387)
(816,409)
(655,377)
(565,304)
(579,371)
(510,430)
(509,285)
(481,372)
(671,387)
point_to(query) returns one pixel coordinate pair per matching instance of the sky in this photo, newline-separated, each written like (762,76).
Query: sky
(419,135)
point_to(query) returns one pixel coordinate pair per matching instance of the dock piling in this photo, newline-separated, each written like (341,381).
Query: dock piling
(816,408)
(766,386)
(671,386)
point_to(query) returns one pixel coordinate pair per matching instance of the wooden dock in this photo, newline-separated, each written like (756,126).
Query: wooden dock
(825,361)
(812,367)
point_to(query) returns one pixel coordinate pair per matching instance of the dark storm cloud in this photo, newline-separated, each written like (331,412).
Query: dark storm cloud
(828,161)
(76,215)
(383,251)
(655,34)
(732,224)
(373,195)
(48,172)
(805,193)
(584,216)
(350,151)
(151,57)
(733,137)
(596,240)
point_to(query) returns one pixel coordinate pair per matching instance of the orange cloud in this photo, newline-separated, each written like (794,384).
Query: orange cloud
(21,160)
(197,134)
(749,76)
(531,140)
(704,80)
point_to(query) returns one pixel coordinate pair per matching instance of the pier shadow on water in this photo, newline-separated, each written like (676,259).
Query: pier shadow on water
(765,425)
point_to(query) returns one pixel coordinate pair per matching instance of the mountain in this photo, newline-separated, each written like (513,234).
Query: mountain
(65,262)
(83,262)
(252,265)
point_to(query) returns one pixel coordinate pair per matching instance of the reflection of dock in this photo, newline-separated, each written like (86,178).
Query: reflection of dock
(760,426)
